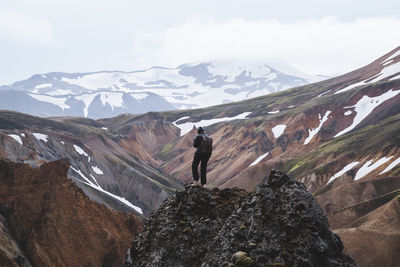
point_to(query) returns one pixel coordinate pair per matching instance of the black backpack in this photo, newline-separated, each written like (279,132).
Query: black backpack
(206,144)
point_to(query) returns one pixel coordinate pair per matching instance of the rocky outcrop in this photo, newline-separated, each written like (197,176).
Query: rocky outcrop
(280,224)
(46,220)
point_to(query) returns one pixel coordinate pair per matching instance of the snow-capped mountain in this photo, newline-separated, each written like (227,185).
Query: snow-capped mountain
(109,93)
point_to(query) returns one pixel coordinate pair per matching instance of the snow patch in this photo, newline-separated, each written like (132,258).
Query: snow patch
(104,128)
(97,170)
(343,171)
(349,87)
(391,58)
(365,106)
(323,93)
(278,130)
(40,136)
(315,131)
(62,142)
(367,167)
(115,100)
(16,138)
(58,101)
(22,134)
(59,92)
(139,96)
(188,126)
(260,158)
(80,151)
(273,112)
(99,188)
(391,166)
(87,100)
(347,113)
(387,71)
(43,85)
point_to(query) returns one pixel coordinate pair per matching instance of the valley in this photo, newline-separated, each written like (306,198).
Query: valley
(340,137)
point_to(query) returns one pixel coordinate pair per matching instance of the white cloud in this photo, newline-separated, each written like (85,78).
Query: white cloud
(325,46)
(24,29)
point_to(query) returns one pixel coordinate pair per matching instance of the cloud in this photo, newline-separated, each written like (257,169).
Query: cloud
(22,28)
(325,46)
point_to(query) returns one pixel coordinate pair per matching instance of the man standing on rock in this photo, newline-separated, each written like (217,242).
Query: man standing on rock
(203,145)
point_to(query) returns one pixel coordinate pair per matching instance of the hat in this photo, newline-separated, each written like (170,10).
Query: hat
(200,130)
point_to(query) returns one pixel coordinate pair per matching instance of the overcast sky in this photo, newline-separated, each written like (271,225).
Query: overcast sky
(318,37)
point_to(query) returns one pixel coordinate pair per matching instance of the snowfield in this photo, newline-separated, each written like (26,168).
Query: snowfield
(278,130)
(388,70)
(97,170)
(313,132)
(188,126)
(369,167)
(57,101)
(40,136)
(343,171)
(365,106)
(80,151)
(16,138)
(259,159)
(195,85)
(391,166)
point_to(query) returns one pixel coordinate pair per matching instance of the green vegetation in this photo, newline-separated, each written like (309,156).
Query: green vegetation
(166,149)
(364,141)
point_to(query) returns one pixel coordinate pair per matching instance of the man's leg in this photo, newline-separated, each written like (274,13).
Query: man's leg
(195,166)
(203,169)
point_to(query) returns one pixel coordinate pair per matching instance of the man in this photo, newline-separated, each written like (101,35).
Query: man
(203,145)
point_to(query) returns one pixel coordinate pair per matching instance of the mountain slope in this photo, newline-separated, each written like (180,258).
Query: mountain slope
(109,93)
(312,132)
(333,135)
(54,223)
(107,172)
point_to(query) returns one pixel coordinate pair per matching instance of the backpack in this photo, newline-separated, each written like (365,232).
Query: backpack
(205,145)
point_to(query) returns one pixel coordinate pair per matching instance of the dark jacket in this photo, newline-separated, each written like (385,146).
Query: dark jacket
(198,140)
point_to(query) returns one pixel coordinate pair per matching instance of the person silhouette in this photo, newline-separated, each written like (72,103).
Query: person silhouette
(203,145)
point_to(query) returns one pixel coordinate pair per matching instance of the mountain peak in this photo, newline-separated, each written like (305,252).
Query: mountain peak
(110,93)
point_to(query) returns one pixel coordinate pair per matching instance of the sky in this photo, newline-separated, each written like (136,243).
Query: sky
(327,37)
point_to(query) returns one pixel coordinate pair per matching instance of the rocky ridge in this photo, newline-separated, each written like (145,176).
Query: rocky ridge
(280,224)
(46,220)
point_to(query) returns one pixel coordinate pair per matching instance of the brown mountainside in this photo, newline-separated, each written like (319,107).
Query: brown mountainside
(51,222)
(340,137)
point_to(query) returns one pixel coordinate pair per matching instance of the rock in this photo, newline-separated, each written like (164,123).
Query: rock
(277,178)
(47,220)
(241,258)
(280,224)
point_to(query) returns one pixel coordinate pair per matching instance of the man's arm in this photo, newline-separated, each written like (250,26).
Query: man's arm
(196,141)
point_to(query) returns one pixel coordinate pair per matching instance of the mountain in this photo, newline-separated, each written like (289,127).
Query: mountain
(46,220)
(101,164)
(340,137)
(280,224)
(110,93)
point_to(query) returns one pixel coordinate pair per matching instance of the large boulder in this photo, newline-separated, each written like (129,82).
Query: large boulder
(281,225)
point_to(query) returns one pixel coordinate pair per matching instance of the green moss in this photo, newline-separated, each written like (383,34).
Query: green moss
(166,149)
